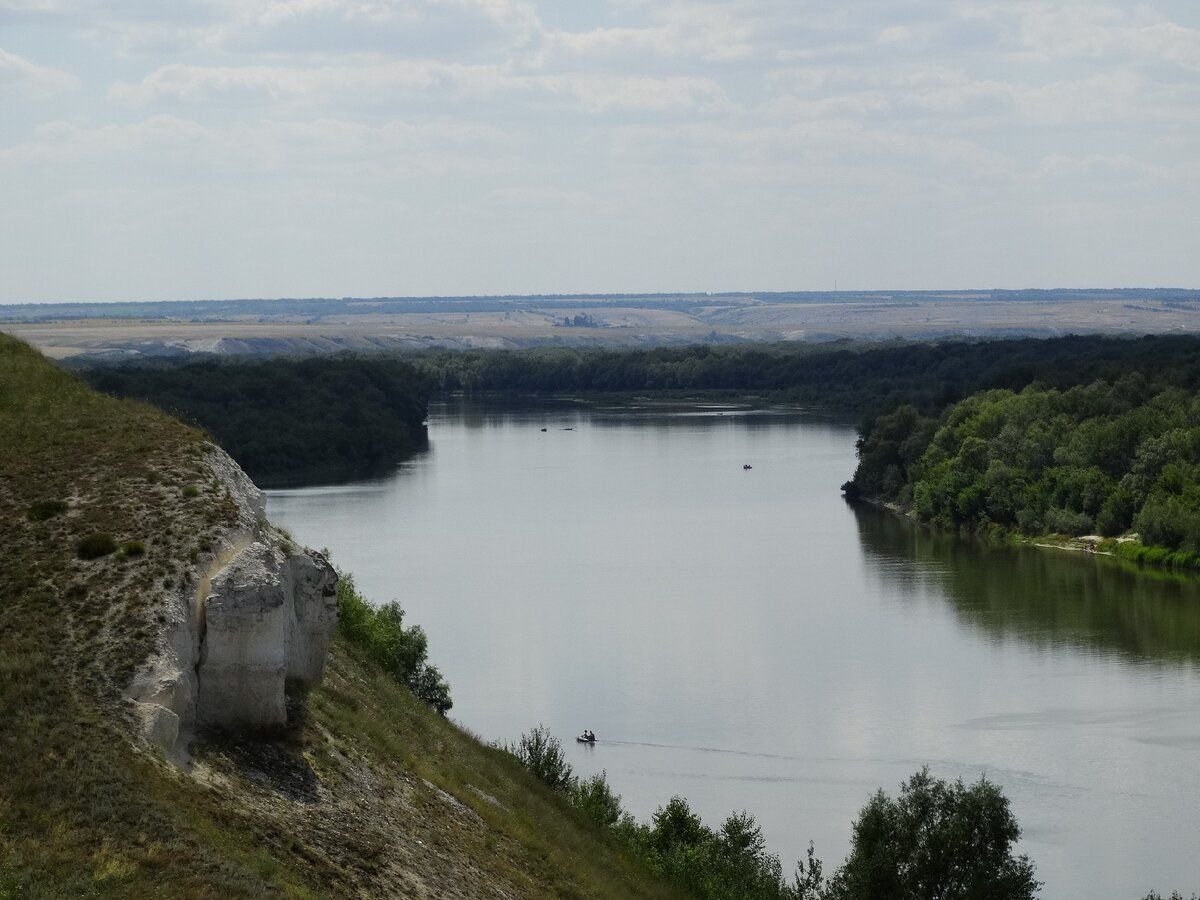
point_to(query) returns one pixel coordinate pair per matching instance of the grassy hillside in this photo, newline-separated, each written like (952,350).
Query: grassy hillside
(370,794)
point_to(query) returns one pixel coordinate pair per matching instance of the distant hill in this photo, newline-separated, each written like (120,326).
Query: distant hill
(108,331)
(318,307)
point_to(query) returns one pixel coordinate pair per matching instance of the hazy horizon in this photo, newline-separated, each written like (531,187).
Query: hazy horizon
(212,149)
(590,295)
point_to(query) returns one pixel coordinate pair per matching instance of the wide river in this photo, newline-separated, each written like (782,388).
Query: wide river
(748,640)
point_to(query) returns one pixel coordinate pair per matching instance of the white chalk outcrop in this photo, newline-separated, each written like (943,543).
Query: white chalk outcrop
(268,620)
(253,620)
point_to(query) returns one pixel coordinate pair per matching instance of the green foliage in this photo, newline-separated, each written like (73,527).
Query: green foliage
(95,545)
(542,754)
(399,651)
(595,799)
(290,421)
(1111,458)
(190,491)
(46,509)
(133,548)
(936,839)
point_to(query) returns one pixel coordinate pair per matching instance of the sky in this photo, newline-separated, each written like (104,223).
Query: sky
(183,149)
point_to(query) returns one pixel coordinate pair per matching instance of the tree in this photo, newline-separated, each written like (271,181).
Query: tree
(936,841)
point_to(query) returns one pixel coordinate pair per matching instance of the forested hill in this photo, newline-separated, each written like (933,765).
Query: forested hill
(290,421)
(866,378)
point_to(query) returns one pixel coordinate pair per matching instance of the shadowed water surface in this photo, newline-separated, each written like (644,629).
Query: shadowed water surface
(748,640)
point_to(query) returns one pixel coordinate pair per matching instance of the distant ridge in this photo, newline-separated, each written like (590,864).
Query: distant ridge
(243,308)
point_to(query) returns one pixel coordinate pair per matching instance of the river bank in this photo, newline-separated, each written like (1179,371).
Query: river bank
(1124,548)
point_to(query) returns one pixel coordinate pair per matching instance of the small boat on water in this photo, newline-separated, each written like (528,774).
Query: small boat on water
(747,467)
(588,737)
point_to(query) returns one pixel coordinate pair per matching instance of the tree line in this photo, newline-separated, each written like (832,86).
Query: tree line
(858,377)
(290,421)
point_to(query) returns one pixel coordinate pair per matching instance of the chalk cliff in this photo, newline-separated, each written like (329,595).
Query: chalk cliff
(252,619)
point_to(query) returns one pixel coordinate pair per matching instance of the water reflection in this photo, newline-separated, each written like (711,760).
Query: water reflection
(558,413)
(1045,597)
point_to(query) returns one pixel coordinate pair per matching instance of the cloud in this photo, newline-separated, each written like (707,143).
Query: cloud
(703,31)
(289,149)
(389,81)
(877,114)
(20,77)
(1050,31)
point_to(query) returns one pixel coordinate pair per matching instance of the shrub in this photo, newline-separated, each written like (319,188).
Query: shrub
(191,491)
(46,509)
(95,545)
(133,548)
(542,754)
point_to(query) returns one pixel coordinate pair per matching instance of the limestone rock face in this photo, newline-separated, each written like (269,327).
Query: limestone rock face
(254,614)
(268,620)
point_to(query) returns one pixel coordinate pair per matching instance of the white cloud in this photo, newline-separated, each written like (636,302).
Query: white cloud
(388,81)
(20,77)
(1048,31)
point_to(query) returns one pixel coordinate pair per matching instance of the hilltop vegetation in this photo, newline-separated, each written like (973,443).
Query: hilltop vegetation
(290,421)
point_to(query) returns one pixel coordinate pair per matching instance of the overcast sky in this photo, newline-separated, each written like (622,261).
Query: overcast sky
(262,148)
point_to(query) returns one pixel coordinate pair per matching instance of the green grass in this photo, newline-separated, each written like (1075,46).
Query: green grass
(348,803)
(1155,556)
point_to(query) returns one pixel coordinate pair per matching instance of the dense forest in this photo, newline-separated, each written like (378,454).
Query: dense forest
(290,421)
(1103,458)
(863,378)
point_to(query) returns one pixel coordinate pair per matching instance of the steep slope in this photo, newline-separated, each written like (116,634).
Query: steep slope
(108,511)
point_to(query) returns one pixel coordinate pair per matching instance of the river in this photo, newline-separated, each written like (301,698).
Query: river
(748,640)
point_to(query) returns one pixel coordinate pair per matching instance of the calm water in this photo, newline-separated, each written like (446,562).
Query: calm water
(747,640)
